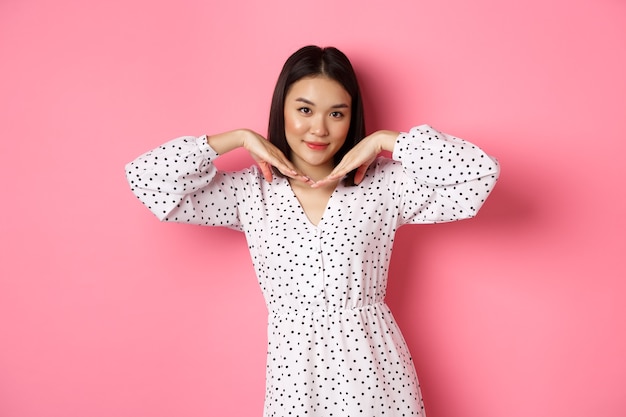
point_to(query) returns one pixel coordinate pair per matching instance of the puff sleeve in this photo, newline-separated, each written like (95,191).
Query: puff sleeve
(445,178)
(179,182)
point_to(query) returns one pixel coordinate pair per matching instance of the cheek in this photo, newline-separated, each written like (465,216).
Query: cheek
(293,124)
(342,129)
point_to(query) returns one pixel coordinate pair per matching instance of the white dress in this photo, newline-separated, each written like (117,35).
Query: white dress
(334,348)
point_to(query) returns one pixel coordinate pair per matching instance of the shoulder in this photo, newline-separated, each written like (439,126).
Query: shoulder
(250,183)
(250,176)
(383,171)
(385,166)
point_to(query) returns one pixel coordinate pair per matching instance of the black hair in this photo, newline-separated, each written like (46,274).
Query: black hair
(311,61)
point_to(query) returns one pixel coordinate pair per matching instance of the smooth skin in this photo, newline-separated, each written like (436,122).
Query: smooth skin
(317,119)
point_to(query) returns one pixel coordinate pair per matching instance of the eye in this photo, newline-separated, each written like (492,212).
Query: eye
(336,115)
(304,110)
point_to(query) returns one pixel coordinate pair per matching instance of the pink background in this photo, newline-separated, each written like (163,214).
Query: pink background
(106,312)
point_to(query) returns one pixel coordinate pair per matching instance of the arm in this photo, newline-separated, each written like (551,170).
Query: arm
(178,181)
(446,178)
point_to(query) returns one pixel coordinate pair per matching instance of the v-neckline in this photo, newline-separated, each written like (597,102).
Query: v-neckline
(303,212)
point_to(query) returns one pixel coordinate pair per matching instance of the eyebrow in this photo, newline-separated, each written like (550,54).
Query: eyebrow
(309,102)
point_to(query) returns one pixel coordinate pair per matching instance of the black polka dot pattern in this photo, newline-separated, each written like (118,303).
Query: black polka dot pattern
(334,348)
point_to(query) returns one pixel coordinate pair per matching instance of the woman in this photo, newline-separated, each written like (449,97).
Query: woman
(320,213)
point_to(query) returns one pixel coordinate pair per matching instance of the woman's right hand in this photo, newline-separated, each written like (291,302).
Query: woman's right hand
(267,155)
(264,153)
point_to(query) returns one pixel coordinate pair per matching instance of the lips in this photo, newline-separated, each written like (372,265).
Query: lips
(317,146)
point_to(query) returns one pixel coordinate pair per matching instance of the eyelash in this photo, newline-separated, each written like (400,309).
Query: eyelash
(335,114)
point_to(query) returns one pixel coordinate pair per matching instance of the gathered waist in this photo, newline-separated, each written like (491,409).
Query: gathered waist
(319,313)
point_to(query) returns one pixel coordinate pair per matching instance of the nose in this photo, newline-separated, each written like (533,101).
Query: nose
(318,126)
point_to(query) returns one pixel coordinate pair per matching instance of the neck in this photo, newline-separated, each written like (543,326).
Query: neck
(316,173)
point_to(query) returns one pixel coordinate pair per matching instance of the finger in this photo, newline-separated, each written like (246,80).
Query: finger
(288,172)
(266,170)
(284,166)
(339,171)
(349,163)
(360,174)
(322,182)
(305,180)
(271,156)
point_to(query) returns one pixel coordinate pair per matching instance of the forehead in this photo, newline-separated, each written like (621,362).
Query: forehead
(319,90)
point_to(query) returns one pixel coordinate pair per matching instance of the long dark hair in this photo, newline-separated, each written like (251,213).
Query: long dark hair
(311,61)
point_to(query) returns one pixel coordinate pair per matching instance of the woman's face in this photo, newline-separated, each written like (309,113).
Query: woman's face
(317,120)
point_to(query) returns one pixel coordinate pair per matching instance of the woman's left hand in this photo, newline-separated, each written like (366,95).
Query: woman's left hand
(361,156)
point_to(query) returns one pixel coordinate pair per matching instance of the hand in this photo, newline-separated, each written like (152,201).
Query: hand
(267,156)
(361,156)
